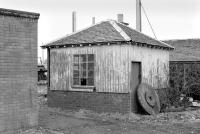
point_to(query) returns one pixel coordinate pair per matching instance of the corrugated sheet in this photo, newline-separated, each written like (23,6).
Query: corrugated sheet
(112,66)
(155,65)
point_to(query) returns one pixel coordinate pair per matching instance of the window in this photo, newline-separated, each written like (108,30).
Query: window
(83,70)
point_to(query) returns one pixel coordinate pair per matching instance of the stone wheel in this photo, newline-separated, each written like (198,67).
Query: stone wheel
(148,99)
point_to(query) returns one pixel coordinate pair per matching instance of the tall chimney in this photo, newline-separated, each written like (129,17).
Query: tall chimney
(138,16)
(120,18)
(93,20)
(73,21)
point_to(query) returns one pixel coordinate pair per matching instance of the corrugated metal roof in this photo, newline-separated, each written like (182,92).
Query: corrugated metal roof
(185,50)
(107,31)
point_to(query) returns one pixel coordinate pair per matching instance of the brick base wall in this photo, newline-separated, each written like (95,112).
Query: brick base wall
(98,102)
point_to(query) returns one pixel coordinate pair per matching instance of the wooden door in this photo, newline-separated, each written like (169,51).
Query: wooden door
(135,81)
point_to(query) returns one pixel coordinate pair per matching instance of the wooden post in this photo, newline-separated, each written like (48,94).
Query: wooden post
(138,16)
(184,76)
(48,69)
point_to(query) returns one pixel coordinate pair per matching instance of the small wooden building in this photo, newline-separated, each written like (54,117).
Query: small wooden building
(100,67)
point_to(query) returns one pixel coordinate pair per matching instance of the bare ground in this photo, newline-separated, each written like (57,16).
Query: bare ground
(58,121)
(88,122)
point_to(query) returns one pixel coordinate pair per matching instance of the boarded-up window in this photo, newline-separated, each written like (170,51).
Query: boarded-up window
(83,70)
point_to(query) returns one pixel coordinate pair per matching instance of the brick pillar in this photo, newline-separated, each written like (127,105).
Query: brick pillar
(18,70)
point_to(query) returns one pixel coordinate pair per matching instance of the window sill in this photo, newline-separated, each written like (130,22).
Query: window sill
(82,88)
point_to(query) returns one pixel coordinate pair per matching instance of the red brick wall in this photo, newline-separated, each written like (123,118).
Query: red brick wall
(18,74)
(96,101)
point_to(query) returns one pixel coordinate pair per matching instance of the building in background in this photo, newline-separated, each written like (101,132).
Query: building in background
(18,70)
(42,76)
(185,66)
(186,49)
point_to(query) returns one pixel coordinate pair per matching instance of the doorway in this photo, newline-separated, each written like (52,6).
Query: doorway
(134,83)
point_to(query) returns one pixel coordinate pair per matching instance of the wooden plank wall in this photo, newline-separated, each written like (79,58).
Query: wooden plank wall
(155,65)
(112,67)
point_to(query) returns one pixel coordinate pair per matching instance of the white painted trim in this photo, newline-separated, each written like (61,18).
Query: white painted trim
(147,36)
(118,29)
(81,89)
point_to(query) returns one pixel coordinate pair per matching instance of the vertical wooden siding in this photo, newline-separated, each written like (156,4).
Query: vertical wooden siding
(112,66)
(155,65)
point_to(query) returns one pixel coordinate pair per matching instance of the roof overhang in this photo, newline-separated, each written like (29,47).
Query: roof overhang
(108,43)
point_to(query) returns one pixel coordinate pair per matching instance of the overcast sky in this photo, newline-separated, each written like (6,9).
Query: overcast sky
(171,19)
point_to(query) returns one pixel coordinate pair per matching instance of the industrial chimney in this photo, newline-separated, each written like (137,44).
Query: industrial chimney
(73,21)
(138,16)
(93,20)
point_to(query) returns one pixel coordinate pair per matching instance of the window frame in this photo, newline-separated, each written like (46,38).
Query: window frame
(79,63)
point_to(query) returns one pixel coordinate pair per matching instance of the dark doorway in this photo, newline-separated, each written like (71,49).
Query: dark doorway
(135,81)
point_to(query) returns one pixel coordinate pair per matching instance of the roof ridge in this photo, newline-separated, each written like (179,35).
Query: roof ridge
(146,35)
(73,33)
(119,30)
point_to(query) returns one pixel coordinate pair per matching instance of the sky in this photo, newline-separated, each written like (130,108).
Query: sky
(171,19)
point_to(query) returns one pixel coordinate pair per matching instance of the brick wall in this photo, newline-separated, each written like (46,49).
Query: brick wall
(96,101)
(18,70)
